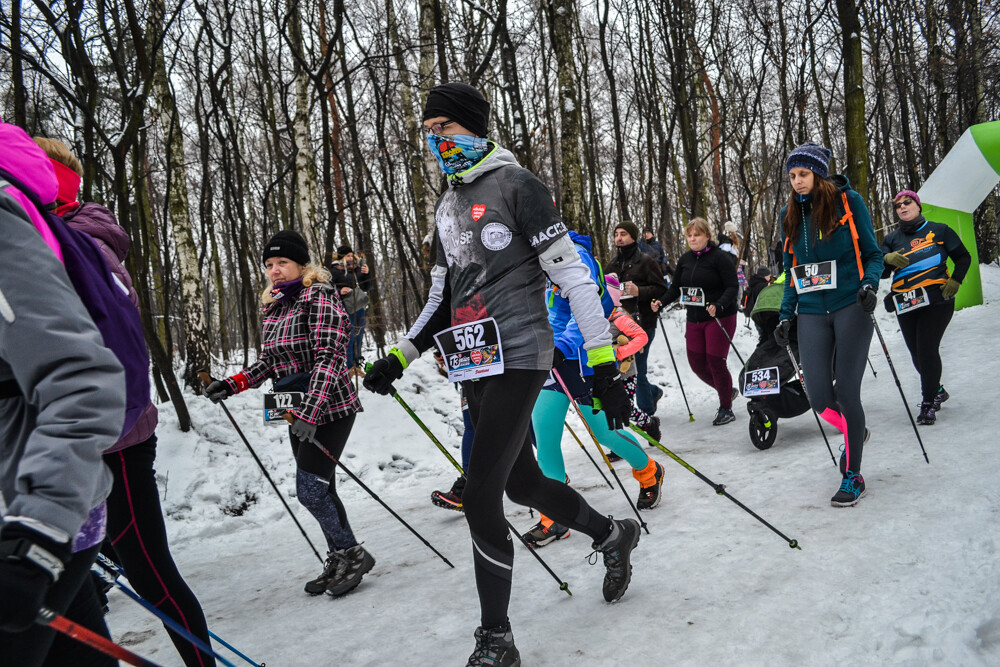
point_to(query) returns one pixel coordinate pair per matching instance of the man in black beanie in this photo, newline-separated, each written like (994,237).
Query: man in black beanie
(498,237)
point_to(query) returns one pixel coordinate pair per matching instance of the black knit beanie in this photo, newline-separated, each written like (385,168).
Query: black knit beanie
(287,243)
(629,227)
(343,250)
(461,103)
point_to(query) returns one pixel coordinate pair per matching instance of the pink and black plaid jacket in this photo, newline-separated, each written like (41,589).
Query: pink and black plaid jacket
(309,334)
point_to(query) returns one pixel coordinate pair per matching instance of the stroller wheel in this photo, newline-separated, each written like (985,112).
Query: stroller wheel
(763,429)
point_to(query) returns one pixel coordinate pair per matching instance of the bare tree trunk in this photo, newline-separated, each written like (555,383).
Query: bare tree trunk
(854,97)
(305,158)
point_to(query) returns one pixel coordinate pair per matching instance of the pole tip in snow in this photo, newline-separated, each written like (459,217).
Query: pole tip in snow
(690,417)
(794,544)
(563,586)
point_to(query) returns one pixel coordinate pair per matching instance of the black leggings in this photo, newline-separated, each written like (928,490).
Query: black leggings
(316,483)
(139,538)
(74,597)
(848,332)
(502,460)
(923,330)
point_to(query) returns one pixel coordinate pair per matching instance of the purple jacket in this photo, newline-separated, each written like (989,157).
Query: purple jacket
(100,224)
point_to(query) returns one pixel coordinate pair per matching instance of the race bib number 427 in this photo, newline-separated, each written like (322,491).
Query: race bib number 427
(472,350)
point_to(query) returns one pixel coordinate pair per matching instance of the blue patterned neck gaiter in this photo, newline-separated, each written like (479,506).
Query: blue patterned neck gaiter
(457,153)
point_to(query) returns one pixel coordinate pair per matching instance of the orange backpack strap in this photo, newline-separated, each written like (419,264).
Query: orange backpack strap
(849,219)
(789,248)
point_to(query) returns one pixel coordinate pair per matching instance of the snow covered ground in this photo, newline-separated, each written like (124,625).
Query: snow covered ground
(910,576)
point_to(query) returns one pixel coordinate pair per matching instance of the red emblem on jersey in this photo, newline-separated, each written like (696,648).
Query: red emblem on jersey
(477,211)
(477,356)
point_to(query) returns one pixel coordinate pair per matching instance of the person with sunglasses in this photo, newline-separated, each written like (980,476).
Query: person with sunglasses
(498,236)
(923,291)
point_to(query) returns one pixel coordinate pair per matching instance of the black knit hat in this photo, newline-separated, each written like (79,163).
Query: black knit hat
(287,243)
(629,227)
(461,103)
(343,250)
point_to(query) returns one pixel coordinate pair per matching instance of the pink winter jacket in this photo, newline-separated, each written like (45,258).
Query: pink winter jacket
(621,323)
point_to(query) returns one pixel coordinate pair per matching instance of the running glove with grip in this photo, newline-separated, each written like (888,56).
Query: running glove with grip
(897,260)
(609,389)
(867,299)
(218,391)
(950,288)
(29,564)
(781,332)
(303,430)
(382,374)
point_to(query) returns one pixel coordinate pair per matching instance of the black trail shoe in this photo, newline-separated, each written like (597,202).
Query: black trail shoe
(450,500)
(495,648)
(940,397)
(928,414)
(318,585)
(352,565)
(617,550)
(723,416)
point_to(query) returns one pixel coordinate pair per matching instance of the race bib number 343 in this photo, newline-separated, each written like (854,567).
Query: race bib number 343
(472,350)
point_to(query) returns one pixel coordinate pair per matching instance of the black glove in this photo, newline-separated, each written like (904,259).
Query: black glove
(867,299)
(557,357)
(29,564)
(609,390)
(303,430)
(382,374)
(781,332)
(218,391)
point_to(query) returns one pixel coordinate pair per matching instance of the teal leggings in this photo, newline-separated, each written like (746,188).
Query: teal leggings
(547,419)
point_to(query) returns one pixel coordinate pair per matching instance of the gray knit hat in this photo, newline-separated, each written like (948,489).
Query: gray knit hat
(812,156)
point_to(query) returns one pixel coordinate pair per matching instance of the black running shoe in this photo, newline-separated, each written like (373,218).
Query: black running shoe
(940,397)
(652,429)
(656,399)
(494,648)
(353,565)
(851,490)
(723,416)
(617,551)
(928,414)
(649,496)
(539,535)
(450,500)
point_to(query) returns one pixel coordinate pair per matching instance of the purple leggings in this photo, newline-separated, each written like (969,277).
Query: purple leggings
(707,348)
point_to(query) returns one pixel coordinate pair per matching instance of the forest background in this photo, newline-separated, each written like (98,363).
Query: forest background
(208,126)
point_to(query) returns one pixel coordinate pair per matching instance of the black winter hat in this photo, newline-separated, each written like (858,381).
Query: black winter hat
(461,103)
(629,227)
(343,250)
(287,243)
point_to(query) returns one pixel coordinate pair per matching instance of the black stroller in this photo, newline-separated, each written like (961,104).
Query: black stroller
(790,401)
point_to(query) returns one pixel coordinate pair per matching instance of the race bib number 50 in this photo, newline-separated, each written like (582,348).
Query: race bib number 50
(814,277)
(472,350)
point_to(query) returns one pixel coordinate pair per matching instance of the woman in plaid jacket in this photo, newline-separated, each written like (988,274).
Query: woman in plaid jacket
(306,332)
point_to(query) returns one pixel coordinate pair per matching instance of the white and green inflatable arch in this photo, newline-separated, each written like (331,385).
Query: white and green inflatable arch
(965,177)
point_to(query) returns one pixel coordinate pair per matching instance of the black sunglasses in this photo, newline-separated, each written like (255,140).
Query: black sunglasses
(905,202)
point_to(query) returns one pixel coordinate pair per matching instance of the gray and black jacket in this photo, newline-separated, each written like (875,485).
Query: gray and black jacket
(64,402)
(498,235)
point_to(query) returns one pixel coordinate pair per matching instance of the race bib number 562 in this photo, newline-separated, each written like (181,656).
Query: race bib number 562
(472,350)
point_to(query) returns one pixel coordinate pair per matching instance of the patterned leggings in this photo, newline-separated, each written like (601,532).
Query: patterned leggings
(639,418)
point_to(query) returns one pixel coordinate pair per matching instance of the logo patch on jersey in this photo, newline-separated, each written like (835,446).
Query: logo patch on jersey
(922,243)
(496,236)
(477,211)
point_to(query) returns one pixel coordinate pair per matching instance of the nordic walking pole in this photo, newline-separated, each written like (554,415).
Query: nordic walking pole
(290,419)
(892,368)
(604,456)
(587,452)
(872,366)
(207,380)
(802,381)
(731,344)
(101,569)
(720,489)
(113,567)
(676,372)
(60,623)
(563,586)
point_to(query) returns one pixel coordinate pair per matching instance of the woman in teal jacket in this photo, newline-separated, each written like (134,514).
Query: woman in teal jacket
(834,264)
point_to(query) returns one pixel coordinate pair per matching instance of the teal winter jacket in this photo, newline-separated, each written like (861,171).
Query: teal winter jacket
(839,247)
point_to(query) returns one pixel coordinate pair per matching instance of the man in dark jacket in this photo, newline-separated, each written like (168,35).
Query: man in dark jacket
(353,278)
(642,282)
(654,249)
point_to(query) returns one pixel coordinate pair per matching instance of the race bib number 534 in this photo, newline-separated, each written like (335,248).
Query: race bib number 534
(472,350)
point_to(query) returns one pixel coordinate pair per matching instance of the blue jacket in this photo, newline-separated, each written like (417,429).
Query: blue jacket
(567,334)
(839,247)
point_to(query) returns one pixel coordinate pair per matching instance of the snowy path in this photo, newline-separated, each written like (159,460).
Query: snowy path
(910,576)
